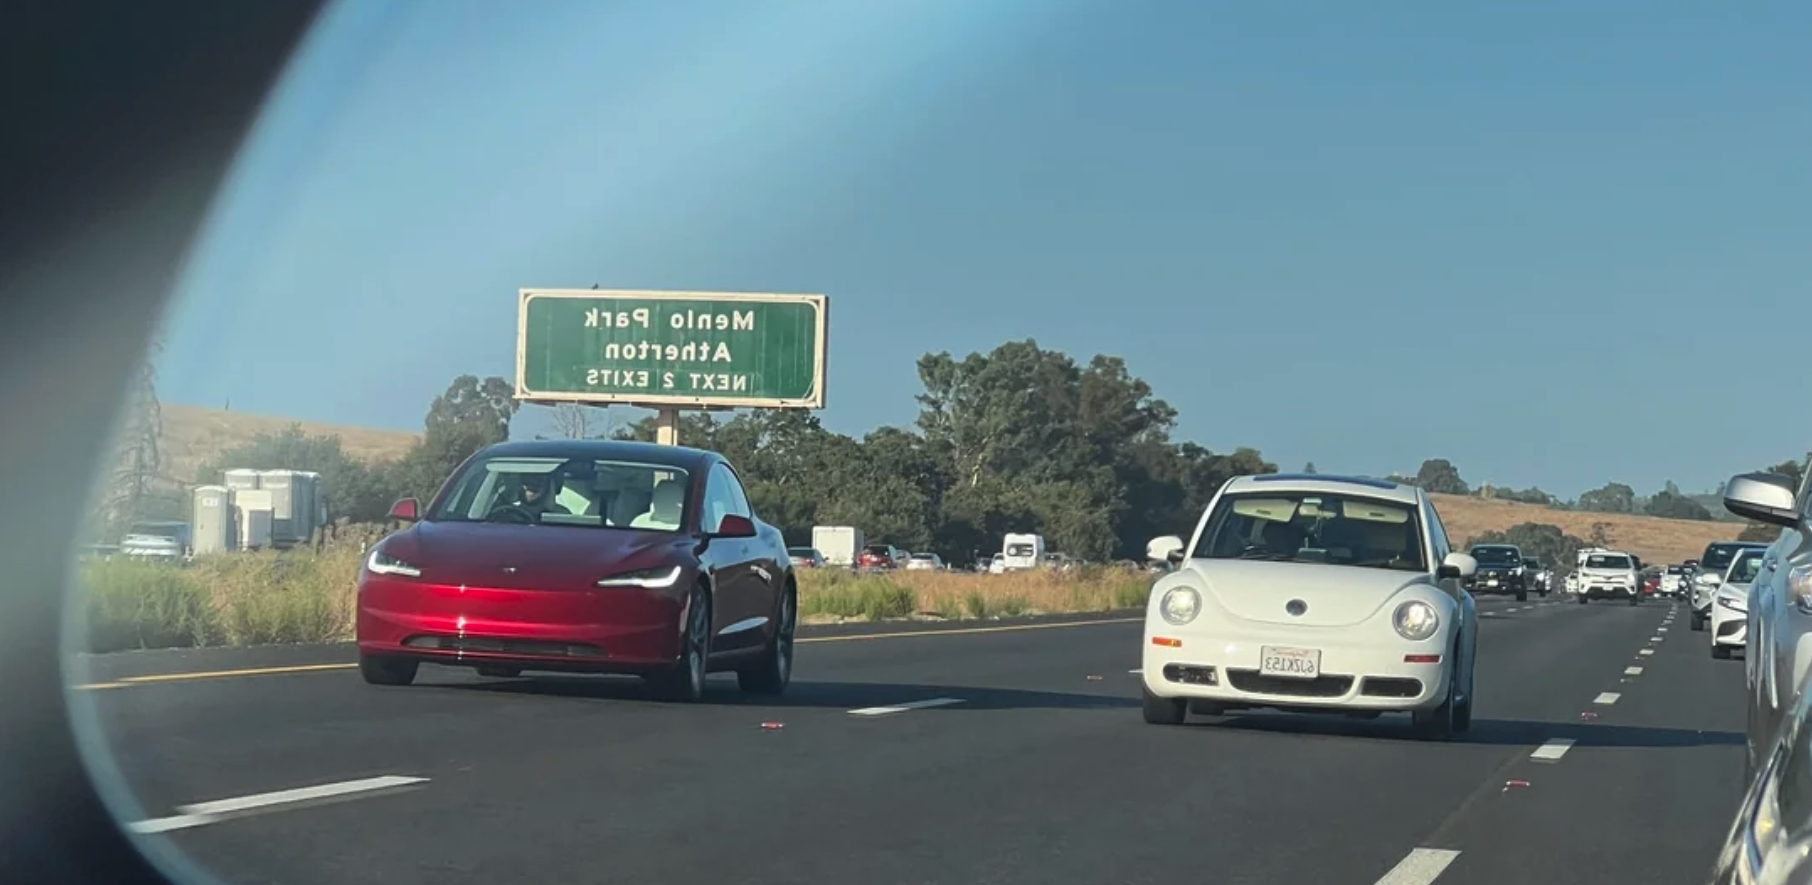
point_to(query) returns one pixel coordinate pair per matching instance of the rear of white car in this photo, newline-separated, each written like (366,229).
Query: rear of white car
(1730,604)
(1312,593)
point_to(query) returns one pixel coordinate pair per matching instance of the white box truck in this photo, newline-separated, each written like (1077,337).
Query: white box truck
(1022,552)
(838,544)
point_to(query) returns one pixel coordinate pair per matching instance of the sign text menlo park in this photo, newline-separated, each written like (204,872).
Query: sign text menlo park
(696,349)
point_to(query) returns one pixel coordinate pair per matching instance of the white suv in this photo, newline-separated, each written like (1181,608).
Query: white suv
(1609,574)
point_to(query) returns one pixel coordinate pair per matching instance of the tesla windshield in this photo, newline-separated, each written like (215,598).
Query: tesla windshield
(572,492)
(1314,527)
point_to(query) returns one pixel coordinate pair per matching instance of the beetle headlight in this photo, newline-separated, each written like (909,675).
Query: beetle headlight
(1180,605)
(1799,587)
(1416,620)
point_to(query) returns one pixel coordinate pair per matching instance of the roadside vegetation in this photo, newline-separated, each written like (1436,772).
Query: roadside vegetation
(306,596)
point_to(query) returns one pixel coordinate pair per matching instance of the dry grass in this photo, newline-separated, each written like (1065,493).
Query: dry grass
(301,596)
(192,435)
(227,599)
(1652,538)
(836,594)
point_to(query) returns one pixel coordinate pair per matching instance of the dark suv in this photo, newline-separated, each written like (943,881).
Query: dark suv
(1501,570)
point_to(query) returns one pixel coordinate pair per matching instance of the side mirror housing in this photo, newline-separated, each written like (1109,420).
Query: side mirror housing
(1457,565)
(1166,549)
(406,510)
(735,526)
(1763,497)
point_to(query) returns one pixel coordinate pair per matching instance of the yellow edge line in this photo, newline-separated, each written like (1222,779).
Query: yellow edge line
(129,681)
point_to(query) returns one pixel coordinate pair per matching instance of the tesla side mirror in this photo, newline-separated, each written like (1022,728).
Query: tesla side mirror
(407,510)
(1166,549)
(735,526)
(1763,497)
(1457,565)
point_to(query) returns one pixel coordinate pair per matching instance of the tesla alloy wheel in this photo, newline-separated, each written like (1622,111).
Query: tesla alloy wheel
(685,681)
(775,670)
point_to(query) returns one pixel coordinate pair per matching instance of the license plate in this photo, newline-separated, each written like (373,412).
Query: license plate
(1491,583)
(1292,663)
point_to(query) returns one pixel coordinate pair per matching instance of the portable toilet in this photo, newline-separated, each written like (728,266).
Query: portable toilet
(242,479)
(286,504)
(255,516)
(213,520)
(308,504)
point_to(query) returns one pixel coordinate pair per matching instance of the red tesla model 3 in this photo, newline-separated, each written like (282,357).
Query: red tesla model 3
(588,556)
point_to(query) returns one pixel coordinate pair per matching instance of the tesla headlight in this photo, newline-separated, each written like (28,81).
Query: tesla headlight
(1416,620)
(651,578)
(381,563)
(1734,603)
(1180,605)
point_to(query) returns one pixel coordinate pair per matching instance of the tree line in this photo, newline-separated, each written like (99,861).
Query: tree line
(1016,439)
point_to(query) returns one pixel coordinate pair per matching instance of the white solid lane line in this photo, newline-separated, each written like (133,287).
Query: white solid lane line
(203,813)
(1552,750)
(1632,671)
(901,708)
(1609,697)
(1420,867)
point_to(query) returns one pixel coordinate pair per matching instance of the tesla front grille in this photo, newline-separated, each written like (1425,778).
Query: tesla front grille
(1320,687)
(489,645)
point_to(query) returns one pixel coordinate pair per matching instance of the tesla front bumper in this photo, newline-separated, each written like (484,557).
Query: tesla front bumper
(1363,667)
(605,630)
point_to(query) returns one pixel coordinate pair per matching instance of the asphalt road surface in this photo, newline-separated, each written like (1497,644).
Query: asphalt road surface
(1606,747)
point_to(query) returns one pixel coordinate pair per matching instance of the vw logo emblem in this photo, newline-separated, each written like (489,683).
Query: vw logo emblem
(1296,607)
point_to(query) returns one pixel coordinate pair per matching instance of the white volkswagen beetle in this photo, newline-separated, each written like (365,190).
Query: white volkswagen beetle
(1313,593)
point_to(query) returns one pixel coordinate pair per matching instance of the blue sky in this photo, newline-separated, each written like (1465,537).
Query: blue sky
(1557,243)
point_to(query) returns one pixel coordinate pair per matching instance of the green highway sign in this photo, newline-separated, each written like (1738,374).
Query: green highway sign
(697,349)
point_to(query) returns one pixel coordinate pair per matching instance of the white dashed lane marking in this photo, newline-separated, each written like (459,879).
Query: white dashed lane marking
(1609,697)
(1646,651)
(1137,672)
(203,813)
(1552,750)
(1632,671)
(901,708)
(1420,867)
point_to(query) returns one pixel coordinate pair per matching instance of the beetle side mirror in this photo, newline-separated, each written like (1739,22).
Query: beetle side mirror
(1457,565)
(1166,549)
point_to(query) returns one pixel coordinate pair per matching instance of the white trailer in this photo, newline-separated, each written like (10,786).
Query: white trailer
(838,544)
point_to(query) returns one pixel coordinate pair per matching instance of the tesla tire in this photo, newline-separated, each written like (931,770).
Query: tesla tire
(1522,596)
(775,669)
(1164,711)
(379,670)
(684,682)
(1583,599)
(1721,652)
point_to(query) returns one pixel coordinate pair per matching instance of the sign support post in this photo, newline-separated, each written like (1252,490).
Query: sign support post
(666,426)
(669,351)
